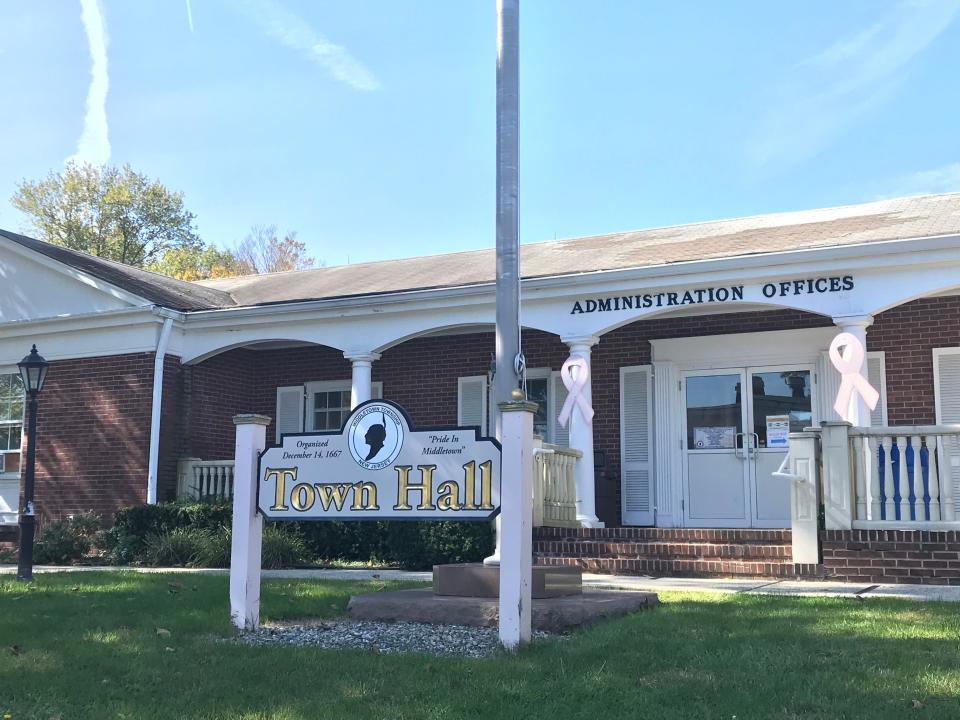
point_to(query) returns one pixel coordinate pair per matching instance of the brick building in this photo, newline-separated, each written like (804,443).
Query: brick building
(707,344)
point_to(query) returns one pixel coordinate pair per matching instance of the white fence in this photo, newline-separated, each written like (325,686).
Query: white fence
(905,475)
(204,479)
(554,486)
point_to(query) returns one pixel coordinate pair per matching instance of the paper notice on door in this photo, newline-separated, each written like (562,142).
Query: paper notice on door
(714,438)
(778,431)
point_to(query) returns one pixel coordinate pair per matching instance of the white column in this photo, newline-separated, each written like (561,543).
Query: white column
(581,438)
(516,514)
(857,326)
(361,386)
(247,524)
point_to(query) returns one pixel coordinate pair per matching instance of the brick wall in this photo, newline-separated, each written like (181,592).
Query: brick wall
(93,430)
(212,392)
(908,334)
(892,556)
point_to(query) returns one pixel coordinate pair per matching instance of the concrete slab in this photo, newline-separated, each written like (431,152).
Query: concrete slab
(549,614)
(479,580)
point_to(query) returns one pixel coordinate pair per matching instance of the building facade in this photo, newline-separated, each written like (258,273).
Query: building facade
(707,345)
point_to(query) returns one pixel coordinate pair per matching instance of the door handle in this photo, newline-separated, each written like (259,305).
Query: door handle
(756,445)
(740,452)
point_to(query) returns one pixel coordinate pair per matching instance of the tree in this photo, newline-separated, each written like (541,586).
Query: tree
(262,251)
(110,212)
(187,263)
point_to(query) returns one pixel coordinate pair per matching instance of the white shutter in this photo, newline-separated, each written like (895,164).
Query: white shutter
(557,395)
(289,410)
(472,402)
(829,381)
(946,390)
(877,376)
(376,391)
(636,443)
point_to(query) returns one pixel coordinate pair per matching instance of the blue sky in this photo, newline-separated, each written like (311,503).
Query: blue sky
(368,127)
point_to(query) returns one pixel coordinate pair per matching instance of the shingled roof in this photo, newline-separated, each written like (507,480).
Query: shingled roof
(158,289)
(896,219)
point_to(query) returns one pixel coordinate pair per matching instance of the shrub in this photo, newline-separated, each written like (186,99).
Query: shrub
(420,545)
(126,540)
(282,547)
(60,543)
(86,525)
(178,547)
(214,549)
(411,545)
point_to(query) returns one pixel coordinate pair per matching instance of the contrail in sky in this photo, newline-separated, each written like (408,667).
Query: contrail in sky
(189,15)
(296,33)
(94,143)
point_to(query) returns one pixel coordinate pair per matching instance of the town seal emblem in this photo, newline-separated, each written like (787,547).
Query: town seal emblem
(375,436)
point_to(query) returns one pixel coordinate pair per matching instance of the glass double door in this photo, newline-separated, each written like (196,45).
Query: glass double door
(736,426)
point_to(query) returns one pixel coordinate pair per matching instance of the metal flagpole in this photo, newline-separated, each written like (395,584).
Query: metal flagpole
(505,378)
(514,416)
(508,213)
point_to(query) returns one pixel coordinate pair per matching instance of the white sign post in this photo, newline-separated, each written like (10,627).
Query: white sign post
(377,467)
(247,523)
(516,523)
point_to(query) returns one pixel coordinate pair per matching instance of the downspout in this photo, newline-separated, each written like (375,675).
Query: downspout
(155,412)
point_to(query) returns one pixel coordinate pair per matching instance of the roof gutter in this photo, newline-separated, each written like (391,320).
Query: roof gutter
(158,359)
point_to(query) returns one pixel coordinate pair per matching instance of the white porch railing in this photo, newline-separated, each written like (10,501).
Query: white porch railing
(905,476)
(204,479)
(554,486)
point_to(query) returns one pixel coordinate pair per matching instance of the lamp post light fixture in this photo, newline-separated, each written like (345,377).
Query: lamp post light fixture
(33,371)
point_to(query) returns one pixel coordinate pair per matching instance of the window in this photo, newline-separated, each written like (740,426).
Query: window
(330,409)
(11,422)
(328,404)
(538,391)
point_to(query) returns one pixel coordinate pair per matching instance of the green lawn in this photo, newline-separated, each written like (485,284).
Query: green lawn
(87,647)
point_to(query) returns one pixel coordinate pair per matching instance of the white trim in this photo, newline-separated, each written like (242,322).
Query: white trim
(160,355)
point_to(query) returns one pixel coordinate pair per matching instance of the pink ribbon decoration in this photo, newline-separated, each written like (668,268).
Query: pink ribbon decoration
(849,365)
(575,385)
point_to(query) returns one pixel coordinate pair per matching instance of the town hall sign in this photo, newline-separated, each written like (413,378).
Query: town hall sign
(377,467)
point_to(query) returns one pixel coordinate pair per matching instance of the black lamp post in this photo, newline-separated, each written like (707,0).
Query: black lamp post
(33,371)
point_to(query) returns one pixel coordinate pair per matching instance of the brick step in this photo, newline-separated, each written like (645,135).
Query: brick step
(629,550)
(774,536)
(686,567)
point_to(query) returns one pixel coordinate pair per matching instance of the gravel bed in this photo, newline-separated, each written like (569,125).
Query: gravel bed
(390,638)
